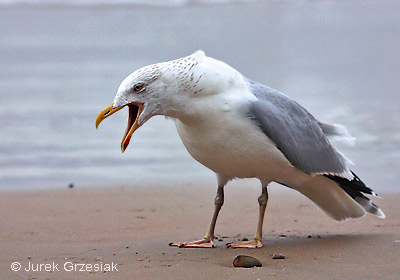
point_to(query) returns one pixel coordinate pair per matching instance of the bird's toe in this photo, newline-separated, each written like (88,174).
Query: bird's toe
(202,243)
(252,244)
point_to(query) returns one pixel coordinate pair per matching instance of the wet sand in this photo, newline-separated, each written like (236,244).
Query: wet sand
(131,228)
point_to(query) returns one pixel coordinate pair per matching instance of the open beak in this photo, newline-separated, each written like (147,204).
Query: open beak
(135,110)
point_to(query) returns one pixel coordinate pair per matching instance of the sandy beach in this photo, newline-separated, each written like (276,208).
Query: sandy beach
(131,228)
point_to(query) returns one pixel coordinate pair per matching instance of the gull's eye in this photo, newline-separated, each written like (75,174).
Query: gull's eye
(138,88)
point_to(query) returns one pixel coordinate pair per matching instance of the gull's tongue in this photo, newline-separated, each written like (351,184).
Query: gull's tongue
(132,120)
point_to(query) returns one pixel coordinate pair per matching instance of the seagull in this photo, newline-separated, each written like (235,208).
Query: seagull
(239,128)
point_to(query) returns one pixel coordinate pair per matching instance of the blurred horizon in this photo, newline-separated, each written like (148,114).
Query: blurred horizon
(60,67)
(115,3)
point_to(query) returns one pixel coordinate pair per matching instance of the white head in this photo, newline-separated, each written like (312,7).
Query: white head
(165,89)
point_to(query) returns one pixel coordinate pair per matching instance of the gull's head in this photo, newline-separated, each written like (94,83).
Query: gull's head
(154,90)
(142,92)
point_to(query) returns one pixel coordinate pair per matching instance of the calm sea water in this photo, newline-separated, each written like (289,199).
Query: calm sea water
(59,67)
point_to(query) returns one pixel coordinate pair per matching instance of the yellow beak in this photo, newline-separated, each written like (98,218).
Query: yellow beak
(134,112)
(106,113)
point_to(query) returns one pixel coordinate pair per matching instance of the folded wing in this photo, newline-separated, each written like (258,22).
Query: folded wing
(296,133)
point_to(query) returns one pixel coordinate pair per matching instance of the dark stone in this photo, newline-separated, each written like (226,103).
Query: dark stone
(278,256)
(246,261)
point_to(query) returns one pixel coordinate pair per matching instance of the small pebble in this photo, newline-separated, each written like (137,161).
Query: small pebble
(244,239)
(278,256)
(246,261)
(71,186)
(282,235)
(310,236)
(220,239)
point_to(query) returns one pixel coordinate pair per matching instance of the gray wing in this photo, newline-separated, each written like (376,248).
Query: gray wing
(295,132)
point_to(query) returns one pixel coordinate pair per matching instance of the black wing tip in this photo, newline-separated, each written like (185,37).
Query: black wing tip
(356,189)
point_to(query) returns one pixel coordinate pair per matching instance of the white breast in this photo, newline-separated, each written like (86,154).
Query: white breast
(230,144)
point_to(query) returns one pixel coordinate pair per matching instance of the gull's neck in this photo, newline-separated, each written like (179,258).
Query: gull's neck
(200,86)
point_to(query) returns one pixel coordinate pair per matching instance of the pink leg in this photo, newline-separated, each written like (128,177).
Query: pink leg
(207,241)
(257,241)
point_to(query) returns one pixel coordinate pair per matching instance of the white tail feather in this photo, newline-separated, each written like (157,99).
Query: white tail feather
(330,198)
(338,132)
